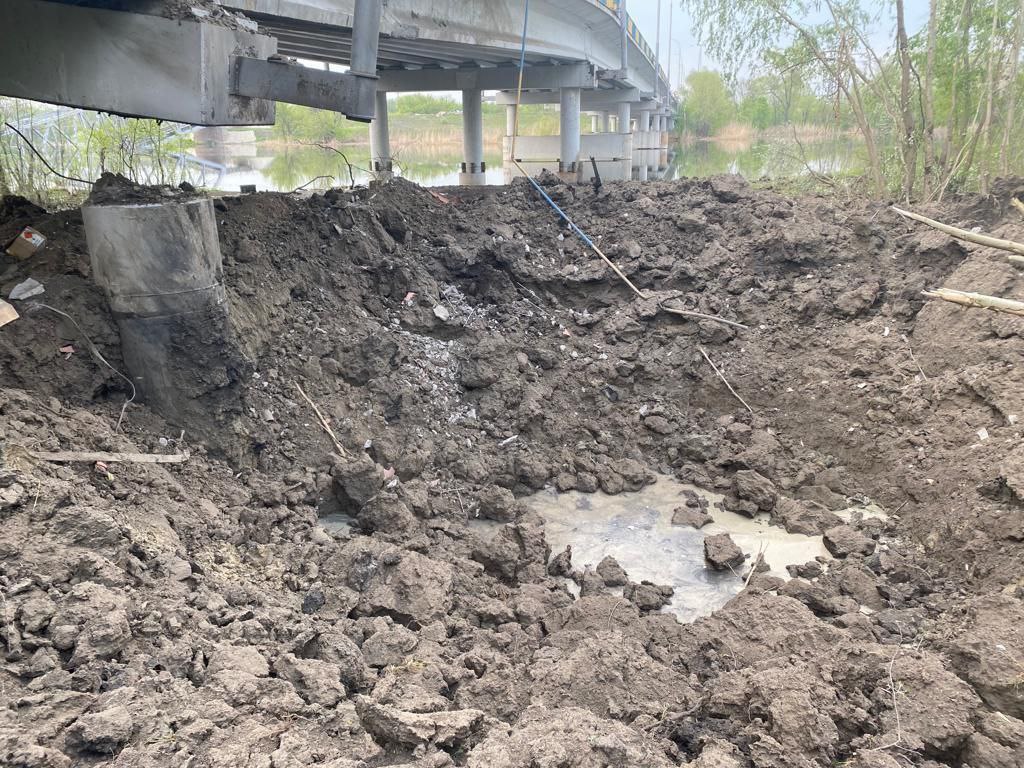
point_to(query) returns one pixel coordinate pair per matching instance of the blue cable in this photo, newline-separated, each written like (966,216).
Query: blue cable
(522,66)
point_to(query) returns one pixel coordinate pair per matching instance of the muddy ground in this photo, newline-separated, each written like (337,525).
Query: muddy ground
(467,351)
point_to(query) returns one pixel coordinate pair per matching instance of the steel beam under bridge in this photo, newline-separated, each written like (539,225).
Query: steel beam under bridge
(598,99)
(579,75)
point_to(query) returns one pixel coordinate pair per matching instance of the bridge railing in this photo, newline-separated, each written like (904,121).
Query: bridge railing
(634,34)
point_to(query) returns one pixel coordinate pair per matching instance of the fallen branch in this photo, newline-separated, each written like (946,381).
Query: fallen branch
(106,457)
(972,237)
(701,316)
(315,178)
(1016,203)
(724,380)
(323,422)
(978,301)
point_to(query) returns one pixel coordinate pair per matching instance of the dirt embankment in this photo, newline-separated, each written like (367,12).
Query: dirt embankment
(467,351)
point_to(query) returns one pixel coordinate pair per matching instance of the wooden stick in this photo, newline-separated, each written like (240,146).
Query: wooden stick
(978,301)
(726,381)
(323,422)
(701,315)
(971,237)
(110,458)
(1017,204)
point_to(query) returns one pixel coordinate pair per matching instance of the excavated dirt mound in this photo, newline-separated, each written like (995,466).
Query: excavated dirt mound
(467,351)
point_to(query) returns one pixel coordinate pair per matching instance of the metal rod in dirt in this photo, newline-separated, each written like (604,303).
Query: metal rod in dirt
(724,380)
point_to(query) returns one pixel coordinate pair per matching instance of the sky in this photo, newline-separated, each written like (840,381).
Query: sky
(645,14)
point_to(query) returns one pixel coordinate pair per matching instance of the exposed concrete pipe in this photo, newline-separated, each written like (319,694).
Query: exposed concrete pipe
(161,269)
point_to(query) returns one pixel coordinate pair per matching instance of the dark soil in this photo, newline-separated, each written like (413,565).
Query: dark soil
(467,351)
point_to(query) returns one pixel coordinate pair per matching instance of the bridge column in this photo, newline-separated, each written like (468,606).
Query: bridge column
(666,138)
(605,122)
(569,131)
(510,130)
(380,140)
(622,120)
(473,167)
(644,136)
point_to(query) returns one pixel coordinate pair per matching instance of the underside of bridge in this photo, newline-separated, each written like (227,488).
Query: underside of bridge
(202,63)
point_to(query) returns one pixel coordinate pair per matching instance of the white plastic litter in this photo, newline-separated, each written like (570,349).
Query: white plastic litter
(26,289)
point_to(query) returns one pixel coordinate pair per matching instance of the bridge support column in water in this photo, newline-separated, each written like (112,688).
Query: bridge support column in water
(622,120)
(159,263)
(510,128)
(662,143)
(569,132)
(643,136)
(380,139)
(473,167)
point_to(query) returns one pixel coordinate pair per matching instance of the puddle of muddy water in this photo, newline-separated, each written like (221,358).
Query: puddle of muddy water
(336,522)
(636,529)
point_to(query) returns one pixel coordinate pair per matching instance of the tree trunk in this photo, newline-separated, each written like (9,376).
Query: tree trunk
(954,137)
(909,147)
(990,96)
(928,103)
(1011,96)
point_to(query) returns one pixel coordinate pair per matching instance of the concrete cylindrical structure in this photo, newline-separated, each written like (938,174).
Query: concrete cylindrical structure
(473,168)
(510,119)
(510,131)
(644,134)
(622,120)
(595,123)
(569,131)
(380,139)
(662,142)
(606,121)
(160,266)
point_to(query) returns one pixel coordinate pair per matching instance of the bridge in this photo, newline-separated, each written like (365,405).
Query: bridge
(228,64)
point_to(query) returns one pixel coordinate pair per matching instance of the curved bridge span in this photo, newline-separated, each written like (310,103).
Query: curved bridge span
(229,65)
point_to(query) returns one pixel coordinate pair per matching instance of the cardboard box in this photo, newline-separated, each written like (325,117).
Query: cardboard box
(27,243)
(7,313)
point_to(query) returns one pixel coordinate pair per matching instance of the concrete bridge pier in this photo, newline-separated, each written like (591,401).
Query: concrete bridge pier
(642,136)
(380,140)
(606,121)
(622,124)
(473,167)
(662,142)
(506,145)
(569,132)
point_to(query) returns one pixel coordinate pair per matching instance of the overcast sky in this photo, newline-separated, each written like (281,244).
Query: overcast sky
(645,13)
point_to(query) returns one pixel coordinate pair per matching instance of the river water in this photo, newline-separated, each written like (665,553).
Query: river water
(236,158)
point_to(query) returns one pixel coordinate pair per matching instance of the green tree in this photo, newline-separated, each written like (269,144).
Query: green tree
(946,97)
(706,105)
(755,107)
